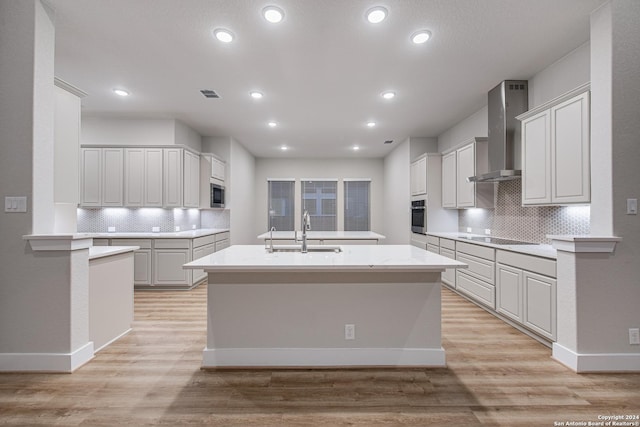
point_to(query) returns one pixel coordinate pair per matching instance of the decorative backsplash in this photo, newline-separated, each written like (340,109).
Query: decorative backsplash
(137,220)
(511,220)
(215,218)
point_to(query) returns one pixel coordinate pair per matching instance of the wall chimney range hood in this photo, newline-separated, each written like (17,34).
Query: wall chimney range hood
(506,101)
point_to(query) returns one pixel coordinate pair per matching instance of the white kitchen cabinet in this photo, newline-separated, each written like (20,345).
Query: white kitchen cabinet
(102,177)
(141,259)
(469,160)
(218,169)
(173,177)
(449,180)
(526,291)
(143,177)
(169,255)
(223,240)
(191,180)
(478,280)
(556,151)
(449,275)
(418,176)
(202,246)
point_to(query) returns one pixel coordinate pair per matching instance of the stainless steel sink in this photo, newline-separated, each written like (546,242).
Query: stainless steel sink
(310,248)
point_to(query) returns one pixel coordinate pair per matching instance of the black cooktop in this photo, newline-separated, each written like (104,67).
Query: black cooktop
(495,240)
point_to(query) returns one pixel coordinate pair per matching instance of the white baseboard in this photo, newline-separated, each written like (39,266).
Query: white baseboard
(46,362)
(602,362)
(113,340)
(322,357)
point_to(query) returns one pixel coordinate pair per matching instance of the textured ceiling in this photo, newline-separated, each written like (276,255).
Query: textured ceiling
(321,70)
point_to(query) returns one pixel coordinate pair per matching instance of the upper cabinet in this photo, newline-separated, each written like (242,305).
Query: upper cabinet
(139,177)
(218,169)
(469,160)
(556,151)
(418,176)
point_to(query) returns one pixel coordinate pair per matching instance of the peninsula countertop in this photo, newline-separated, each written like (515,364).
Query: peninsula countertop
(324,235)
(244,258)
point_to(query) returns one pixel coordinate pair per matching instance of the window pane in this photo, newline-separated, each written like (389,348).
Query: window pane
(356,206)
(319,199)
(281,205)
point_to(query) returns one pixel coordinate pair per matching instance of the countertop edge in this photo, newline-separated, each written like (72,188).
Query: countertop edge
(540,250)
(97,252)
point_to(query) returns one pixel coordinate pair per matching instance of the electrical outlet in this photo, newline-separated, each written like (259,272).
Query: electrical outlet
(468,229)
(487,231)
(632,206)
(111,229)
(634,336)
(177,228)
(155,229)
(193,226)
(349,332)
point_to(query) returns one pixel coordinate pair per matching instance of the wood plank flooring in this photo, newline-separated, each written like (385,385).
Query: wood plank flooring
(496,376)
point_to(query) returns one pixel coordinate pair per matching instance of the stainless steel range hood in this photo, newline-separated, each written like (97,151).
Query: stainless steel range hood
(506,101)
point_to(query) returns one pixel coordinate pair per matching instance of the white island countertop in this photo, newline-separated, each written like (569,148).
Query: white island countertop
(244,258)
(324,235)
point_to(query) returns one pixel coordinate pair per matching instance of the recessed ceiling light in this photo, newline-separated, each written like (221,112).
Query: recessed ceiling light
(272,124)
(223,35)
(377,14)
(284,148)
(273,14)
(421,36)
(255,94)
(371,124)
(388,94)
(356,147)
(121,92)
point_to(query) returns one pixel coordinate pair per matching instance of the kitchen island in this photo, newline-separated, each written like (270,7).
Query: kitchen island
(364,305)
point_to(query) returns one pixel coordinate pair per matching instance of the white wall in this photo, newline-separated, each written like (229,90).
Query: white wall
(186,136)
(474,125)
(396,207)
(241,194)
(318,168)
(419,146)
(108,131)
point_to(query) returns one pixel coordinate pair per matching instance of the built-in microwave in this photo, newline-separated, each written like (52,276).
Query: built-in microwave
(419,216)
(217,195)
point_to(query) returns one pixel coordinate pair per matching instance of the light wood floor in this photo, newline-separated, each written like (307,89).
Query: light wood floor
(495,376)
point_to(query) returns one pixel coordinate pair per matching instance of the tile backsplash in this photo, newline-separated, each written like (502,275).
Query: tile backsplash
(509,219)
(144,219)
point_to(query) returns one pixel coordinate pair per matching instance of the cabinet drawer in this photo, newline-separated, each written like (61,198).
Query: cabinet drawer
(479,290)
(204,240)
(104,242)
(544,266)
(449,244)
(478,267)
(476,250)
(171,244)
(433,240)
(143,243)
(448,253)
(222,236)
(433,248)
(221,244)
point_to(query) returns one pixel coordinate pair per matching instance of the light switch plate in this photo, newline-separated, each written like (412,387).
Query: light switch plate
(15,204)
(155,229)
(632,206)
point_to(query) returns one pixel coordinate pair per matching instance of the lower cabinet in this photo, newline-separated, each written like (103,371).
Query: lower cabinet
(478,280)
(525,296)
(169,255)
(141,259)
(448,249)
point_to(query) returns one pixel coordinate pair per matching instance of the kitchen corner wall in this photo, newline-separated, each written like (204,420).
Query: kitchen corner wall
(509,219)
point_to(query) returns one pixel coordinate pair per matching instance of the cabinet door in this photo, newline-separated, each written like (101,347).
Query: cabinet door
(449,180)
(134,177)
(222,244)
(142,267)
(466,167)
(570,160)
(91,186)
(418,171)
(153,183)
(200,252)
(112,176)
(449,275)
(540,304)
(509,292)
(173,177)
(217,169)
(536,159)
(191,180)
(167,267)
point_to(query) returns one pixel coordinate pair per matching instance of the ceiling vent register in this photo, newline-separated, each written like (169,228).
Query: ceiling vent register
(209,93)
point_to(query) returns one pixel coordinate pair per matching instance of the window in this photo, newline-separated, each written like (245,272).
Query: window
(356,206)
(281,205)
(319,199)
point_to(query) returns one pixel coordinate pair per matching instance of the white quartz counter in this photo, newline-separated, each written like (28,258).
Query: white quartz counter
(189,234)
(96,252)
(352,258)
(324,235)
(545,251)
